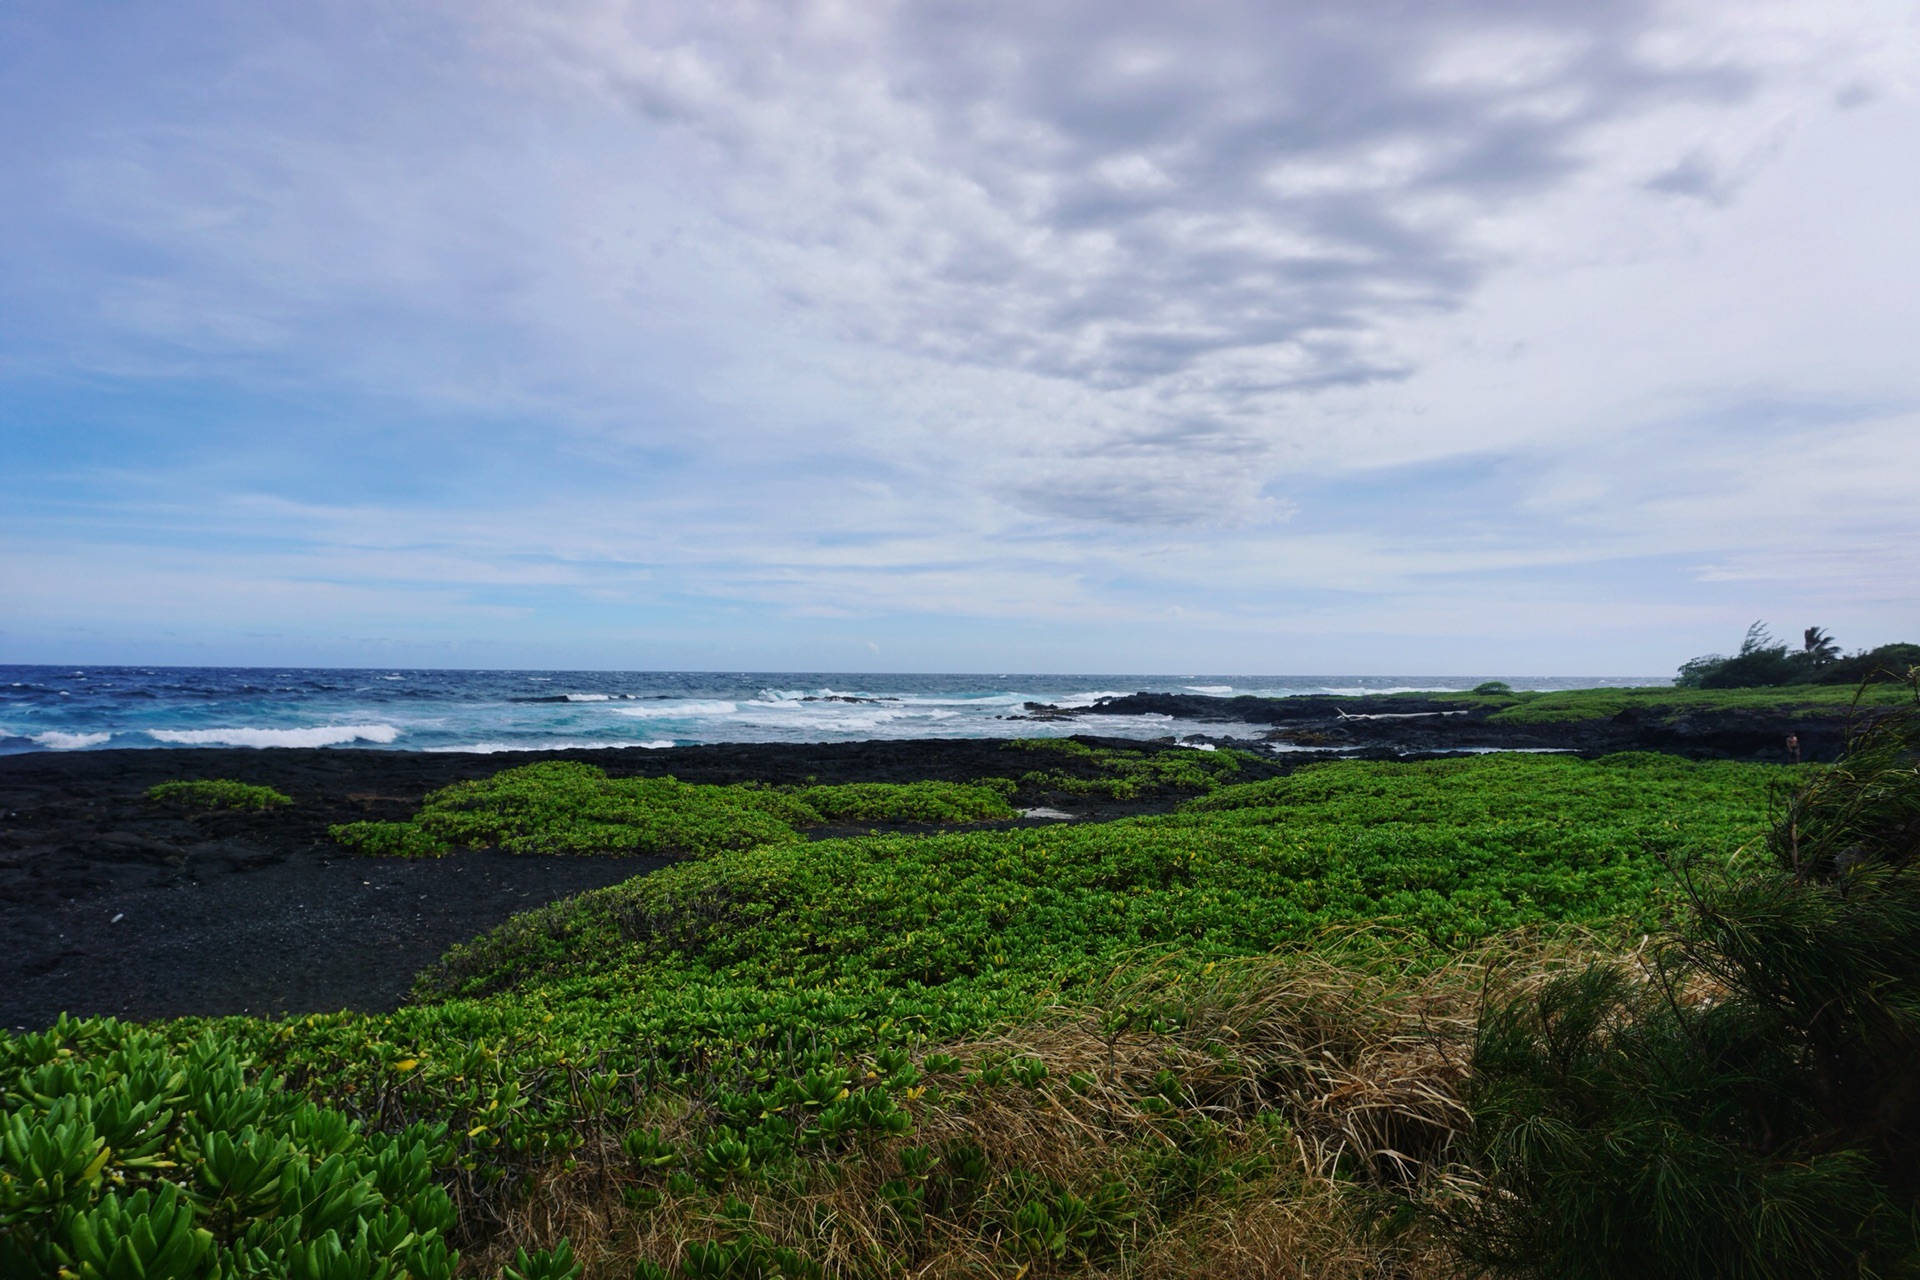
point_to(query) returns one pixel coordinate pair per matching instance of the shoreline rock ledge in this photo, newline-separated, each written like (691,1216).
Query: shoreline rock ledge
(1401,724)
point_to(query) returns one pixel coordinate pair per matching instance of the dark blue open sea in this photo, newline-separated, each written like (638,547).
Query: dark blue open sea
(91,708)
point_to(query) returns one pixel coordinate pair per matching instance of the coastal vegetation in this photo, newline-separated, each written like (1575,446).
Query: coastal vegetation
(566,807)
(1674,702)
(1121,774)
(1745,1094)
(1362,1019)
(216,793)
(1766,662)
(133,1153)
(1656,703)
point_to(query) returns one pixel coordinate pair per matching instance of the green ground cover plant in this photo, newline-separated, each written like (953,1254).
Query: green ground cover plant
(1669,703)
(1744,1098)
(759,961)
(1171,1045)
(942,803)
(216,793)
(567,807)
(1078,1145)
(1123,774)
(129,1153)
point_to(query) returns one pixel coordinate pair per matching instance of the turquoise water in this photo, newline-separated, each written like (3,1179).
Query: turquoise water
(92,708)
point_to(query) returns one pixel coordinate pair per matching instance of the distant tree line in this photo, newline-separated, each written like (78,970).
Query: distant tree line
(1764,661)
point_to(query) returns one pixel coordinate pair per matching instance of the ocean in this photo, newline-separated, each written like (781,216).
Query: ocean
(79,708)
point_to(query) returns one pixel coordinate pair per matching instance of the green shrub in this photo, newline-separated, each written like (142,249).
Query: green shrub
(762,962)
(1125,774)
(127,1155)
(216,793)
(565,807)
(1748,1104)
(388,840)
(949,935)
(544,1264)
(1890,663)
(931,802)
(1763,661)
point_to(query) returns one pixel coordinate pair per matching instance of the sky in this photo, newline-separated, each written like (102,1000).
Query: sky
(1370,337)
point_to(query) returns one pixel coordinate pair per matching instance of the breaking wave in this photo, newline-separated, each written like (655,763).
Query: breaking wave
(679,710)
(54,740)
(495,748)
(328,735)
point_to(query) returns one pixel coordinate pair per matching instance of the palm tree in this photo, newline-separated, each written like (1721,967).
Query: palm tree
(1819,645)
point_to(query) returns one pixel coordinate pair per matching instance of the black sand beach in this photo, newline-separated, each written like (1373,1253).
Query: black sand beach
(110,904)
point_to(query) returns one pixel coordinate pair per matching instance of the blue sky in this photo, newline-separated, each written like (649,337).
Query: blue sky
(1543,338)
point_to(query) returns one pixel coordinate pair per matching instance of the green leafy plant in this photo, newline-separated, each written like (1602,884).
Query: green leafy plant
(1126,774)
(945,803)
(1765,662)
(146,1236)
(556,1263)
(566,807)
(128,1155)
(756,1023)
(216,793)
(389,840)
(1747,1103)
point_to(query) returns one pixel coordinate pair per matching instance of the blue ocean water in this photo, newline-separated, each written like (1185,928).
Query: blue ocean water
(91,708)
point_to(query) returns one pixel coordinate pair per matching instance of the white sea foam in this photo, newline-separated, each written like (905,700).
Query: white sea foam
(54,740)
(1510,751)
(494,748)
(806,698)
(329,735)
(679,710)
(1082,699)
(1209,688)
(589,697)
(824,716)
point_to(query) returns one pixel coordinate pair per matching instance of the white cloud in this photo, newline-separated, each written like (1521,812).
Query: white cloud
(1002,311)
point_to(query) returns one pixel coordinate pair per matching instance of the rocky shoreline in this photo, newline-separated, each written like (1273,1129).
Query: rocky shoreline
(1400,725)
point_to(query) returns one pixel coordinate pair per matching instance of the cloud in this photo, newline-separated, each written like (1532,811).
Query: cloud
(1220,203)
(1284,312)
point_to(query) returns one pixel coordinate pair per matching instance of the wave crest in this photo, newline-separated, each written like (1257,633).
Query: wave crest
(54,740)
(679,710)
(326,735)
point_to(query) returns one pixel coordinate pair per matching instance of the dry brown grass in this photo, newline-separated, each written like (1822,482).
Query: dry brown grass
(1318,1084)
